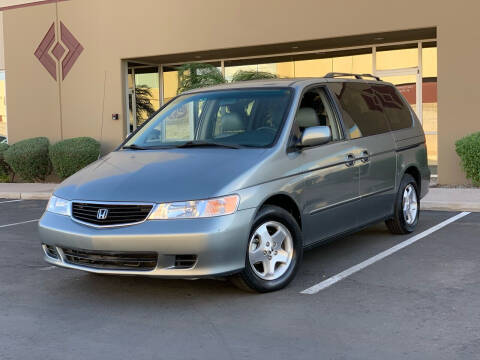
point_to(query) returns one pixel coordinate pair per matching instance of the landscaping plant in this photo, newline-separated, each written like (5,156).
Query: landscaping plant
(243,75)
(71,155)
(5,170)
(198,75)
(29,159)
(468,148)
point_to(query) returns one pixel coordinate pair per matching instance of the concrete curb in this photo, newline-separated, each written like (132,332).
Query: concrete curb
(26,191)
(25,195)
(444,206)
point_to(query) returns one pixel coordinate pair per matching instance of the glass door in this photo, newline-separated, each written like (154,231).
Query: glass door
(143,95)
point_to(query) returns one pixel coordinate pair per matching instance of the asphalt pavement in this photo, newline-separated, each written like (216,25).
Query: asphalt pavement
(422,302)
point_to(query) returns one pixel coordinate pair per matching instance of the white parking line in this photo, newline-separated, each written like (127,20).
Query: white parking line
(340,276)
(9,201)
(19,223)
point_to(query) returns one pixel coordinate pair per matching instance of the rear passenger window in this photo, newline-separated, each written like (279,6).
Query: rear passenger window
(396,110)
(362,108)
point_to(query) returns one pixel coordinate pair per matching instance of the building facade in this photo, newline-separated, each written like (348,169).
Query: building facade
(73,65)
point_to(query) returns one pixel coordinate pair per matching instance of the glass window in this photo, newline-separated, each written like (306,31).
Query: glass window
(406,84)
(362,108)
(397,112)
(357,64)
(3,108)
(143,94)
(397,59)
(430,104)
(146,95)
(170,85)
(313,68)
(251,117)
(315,110)
(231,70)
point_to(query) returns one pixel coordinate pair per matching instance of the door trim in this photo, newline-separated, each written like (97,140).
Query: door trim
(316,211)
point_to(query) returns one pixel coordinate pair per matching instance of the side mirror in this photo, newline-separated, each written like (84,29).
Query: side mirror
(316,135)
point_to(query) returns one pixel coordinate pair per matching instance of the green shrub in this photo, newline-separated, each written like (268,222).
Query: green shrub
(69,156)
(468,148)
(4,168)
(243,75)
(29,159)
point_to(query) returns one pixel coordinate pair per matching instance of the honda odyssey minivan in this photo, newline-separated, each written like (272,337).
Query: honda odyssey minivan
(237,180)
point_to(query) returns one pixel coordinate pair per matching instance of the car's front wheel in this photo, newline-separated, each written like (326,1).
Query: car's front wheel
(274,251)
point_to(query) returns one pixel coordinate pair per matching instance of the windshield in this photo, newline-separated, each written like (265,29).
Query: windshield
(251,117)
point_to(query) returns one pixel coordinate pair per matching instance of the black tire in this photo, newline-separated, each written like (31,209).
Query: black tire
(247,279)
(397,224)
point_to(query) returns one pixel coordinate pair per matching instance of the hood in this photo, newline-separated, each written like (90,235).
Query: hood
(161,175)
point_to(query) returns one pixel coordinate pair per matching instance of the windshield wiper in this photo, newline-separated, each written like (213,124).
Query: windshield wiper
(208,143)
(134,147)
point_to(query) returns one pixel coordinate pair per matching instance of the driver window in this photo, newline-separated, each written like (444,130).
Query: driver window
(315,110)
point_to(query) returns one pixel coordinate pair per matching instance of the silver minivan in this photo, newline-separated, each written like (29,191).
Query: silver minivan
(237,180)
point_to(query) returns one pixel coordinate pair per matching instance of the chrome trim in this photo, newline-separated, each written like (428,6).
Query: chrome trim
(110,203)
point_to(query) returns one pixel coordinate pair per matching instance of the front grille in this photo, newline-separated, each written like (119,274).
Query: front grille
(111,260)
(116,214)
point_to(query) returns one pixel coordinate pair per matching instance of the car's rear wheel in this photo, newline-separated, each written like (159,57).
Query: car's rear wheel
(274,251)
(407,207)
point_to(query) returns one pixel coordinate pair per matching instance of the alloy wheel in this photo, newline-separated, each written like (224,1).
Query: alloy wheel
(410,204)
(270,250)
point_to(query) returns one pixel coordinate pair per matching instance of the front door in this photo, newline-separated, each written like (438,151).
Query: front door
(330,179)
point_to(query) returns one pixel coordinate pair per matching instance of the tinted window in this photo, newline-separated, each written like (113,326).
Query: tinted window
(396,110)
(362,108)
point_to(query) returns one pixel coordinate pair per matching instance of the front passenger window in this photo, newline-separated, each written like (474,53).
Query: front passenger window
(315,110)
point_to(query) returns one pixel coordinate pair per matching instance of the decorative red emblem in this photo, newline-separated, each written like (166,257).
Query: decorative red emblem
(51,53)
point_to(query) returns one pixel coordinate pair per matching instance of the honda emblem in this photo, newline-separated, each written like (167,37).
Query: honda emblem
(102,214)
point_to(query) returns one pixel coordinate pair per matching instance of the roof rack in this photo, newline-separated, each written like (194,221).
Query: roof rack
(356,76)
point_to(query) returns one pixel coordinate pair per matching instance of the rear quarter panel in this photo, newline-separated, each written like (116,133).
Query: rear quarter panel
(412,151)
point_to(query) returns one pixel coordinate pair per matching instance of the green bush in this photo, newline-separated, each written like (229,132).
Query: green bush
(4,168)
(69,156)
(243,75)
(468,148)
(29,159)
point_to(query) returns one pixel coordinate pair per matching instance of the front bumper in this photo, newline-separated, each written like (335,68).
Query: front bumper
(219,243)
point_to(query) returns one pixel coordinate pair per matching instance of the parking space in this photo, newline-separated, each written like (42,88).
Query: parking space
(419,303)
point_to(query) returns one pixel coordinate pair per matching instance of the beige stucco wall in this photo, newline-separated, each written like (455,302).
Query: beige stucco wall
(2,56)
(111,30)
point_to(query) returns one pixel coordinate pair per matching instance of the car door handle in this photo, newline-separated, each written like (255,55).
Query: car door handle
(350,160)
(365,157)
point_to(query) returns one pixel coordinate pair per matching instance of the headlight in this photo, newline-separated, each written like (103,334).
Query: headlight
(196,209)
(59,206)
